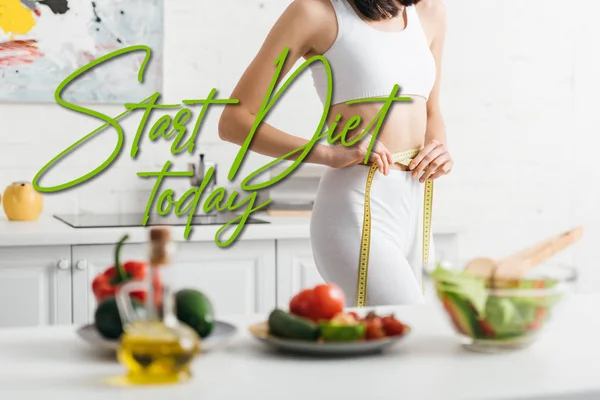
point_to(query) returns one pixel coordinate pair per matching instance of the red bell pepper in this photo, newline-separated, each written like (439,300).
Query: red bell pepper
(108,283)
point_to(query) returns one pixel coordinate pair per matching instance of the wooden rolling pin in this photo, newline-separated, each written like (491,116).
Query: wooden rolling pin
(519,264)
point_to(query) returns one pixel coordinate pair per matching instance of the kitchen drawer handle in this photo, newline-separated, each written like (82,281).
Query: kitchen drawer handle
(81,265)
(63,265)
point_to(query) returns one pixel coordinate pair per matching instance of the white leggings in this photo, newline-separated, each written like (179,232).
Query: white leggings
(395,258)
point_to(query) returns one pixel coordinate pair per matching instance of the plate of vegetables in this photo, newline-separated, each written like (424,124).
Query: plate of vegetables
(318,324)
(192,307)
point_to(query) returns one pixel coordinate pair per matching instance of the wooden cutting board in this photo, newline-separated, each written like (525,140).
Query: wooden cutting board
(290,213)
(290,209)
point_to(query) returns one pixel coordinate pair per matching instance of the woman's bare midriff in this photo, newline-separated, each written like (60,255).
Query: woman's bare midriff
(403,127)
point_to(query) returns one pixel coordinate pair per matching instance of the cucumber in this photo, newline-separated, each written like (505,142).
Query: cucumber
(289,326)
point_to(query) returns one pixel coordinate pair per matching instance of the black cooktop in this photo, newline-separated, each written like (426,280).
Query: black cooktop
(135,220)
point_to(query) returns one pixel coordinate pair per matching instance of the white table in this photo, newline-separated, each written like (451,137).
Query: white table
(53,363)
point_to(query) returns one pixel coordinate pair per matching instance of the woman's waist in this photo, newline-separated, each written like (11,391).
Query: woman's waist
(398,132)
(400,159)
(400,155)
(345,188)
(402,149)
(354,177)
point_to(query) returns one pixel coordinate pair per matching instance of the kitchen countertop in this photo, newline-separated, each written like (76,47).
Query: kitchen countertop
(52,362)
(48,231)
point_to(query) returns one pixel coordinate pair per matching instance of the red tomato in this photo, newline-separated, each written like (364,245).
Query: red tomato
(392,326)
(302,304)
(329,300)
(374,329)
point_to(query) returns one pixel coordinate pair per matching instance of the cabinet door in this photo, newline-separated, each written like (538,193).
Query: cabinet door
(296,269)
(88,262)
(239,279)
(35,283)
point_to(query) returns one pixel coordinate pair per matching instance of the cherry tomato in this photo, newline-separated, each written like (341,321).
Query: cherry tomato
(486,328)
(329,300)
(374,328)
(539,284)
(392,326)
(540,314)
(302,304)
(355,315)
(371,315)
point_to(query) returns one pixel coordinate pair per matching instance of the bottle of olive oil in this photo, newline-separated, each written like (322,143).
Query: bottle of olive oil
(156,348)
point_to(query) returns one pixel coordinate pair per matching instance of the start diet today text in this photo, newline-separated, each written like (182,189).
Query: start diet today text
(183,132)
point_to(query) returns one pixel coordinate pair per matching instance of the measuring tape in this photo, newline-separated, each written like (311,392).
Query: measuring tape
(403,158)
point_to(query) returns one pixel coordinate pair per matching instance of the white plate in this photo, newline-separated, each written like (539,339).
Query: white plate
(261,332)
(220,336)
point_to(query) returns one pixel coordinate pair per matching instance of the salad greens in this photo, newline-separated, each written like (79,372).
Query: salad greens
(468,286)
(477,313)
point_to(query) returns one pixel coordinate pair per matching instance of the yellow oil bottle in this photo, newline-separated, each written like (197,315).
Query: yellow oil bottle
(153,353)
(155,348)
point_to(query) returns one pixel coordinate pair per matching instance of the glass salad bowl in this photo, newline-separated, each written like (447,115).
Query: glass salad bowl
(499,315)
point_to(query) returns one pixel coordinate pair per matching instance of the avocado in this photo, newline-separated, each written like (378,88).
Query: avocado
(107,318)
(194,309)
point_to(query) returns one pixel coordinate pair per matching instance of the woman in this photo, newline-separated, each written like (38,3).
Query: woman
(371,45)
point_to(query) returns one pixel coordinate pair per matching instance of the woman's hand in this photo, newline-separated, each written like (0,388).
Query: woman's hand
(434,159)
(341,156)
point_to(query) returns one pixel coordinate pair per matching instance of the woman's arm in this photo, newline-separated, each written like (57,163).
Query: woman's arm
(436,129)
(434,160)
(301,26)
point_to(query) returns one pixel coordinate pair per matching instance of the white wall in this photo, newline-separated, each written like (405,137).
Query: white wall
(519,97)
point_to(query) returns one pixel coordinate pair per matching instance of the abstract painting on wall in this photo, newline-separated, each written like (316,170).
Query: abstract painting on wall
(42,42)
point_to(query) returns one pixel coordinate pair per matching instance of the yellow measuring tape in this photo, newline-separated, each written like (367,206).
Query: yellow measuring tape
(403,158)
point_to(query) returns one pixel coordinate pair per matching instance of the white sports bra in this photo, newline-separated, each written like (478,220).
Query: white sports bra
(366,62)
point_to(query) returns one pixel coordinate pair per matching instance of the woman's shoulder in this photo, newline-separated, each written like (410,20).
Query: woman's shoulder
(432,10)
(316,10)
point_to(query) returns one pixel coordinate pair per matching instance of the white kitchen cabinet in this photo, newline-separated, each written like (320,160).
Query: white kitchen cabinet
(240,279)
(50,285)
(296,269)
(35,286)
